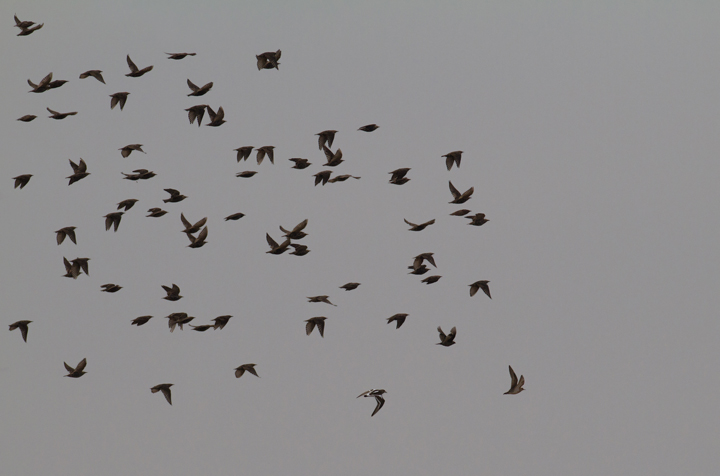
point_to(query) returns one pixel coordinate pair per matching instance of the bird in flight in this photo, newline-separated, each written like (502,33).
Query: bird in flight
(323,298)
(198,91)
(95,73)
(113,219)
(245,367)
(378,394)
(78,371)
(59,115)
(399,319)
(127,150)
(216,118)
(196,112)
(173,293)
(23,326)
(297,233)
(474,287)
(447,340)
(134,71)
(516,386)
(460,197)
(325,137)
(178,56)
(315,321)
(139,321)
(68,231)
(369,128)
(127,204)
(22,180)
(79,171)
(453,158)
(420,227)
(165,389)
(349,286)
(118,98)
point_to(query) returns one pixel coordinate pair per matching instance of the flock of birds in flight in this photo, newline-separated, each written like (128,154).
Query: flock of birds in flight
(197,232)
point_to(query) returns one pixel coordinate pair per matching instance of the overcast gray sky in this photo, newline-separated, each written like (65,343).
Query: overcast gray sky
(590,134)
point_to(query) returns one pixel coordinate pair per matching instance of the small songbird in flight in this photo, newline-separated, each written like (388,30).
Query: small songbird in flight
(447,340)
(398,318)
(516,386)
(22,180)
(78,371)
(453,158)
(420,227)
(241,370)
(378,394)
(68,231)
(23,326)
(165,389)
(460,197)
(315,321)
(369,128)
(134,71)
(474,287)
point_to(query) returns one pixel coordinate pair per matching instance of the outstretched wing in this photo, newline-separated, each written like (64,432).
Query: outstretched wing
(380,402)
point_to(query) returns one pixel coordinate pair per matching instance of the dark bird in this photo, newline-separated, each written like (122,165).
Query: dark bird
(369,128)
(422,269)
(78,371)
(300,250)
(72,270)
(333,159)
(127,204)
(127,150)
(243,152)
(267,149)
(200,240)
(325,137)
(246,174)
(134,71)
(480,285)
(420,227)
(23,326)
(42,86)
(155,212)
(447,340)
(241,370)
(196,91)
(110,288)
(139,174)
(221,321)
(113,219)
(315,321)
(28,31)
(477,220)
(431,279)
(268,60)
(349,286)
(202,328)
(79,171)
(95,73)
(23,24)
(460,197)
(418,260)
(139,321)
(59,115)
(196,112)
(165,389)
(189,227)
(276,249)
(342,178)
(178,319)
(323,177)
(398,318)
(82,263)
(300,163)
(216,119)
(516,386)
(68,231)
(378,394)
(398,176)
(234,216)
(297,233)
(26,118)
(173,293)
(118,98)
(175,196)
(453,158)
(178,56)
(460,213)
(22,180)
(323,298)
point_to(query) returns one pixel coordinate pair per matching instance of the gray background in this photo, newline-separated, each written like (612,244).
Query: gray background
(590,136)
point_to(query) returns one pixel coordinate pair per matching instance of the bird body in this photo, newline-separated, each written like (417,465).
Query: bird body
(23,326)
(516,386)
